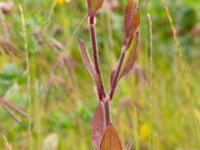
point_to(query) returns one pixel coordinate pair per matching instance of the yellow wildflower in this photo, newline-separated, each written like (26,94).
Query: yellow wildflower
(60,2)
(144,131)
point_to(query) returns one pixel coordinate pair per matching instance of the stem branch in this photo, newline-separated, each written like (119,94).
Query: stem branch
(101,93)
(115,80)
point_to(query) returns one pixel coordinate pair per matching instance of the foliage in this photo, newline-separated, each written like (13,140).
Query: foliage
(155,107)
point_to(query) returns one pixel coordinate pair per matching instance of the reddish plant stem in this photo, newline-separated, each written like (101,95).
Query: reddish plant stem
(107,113)
(119,65)
(101,93)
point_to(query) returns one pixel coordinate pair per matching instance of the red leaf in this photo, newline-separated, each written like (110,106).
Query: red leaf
(132,21)
(110,139)
(128,65)
(89,66)
(93,6)
(98,126)
(85,57)
(131,59)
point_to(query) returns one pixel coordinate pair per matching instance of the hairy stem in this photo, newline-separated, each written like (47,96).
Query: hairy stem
(101,93)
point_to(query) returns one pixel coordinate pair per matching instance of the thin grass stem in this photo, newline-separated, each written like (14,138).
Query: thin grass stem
(23,21)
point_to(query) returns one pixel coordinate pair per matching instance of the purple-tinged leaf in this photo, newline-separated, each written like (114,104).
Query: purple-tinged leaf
(85,57)
(110,139)
(90,67)
(93,6)
(98,126)
(123,68)
(132,21)
(131,58)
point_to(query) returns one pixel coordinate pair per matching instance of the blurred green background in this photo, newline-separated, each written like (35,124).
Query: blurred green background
(47,98)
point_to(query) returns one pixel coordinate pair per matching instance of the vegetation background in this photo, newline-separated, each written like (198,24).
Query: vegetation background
(47,98)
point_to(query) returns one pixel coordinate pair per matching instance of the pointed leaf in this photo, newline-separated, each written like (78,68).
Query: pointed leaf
(89,66)
(110,139)
(93,6)
(85,57)
(131,59)
(98,126)
(132,20)
(127,66)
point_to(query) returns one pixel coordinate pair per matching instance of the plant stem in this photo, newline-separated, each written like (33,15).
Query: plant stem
(115,80)
(101,93)
(27,59)
(107,112)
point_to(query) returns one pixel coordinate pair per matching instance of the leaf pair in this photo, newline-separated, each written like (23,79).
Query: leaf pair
(104,138)
(93,6)
(131,37)
(90,67)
